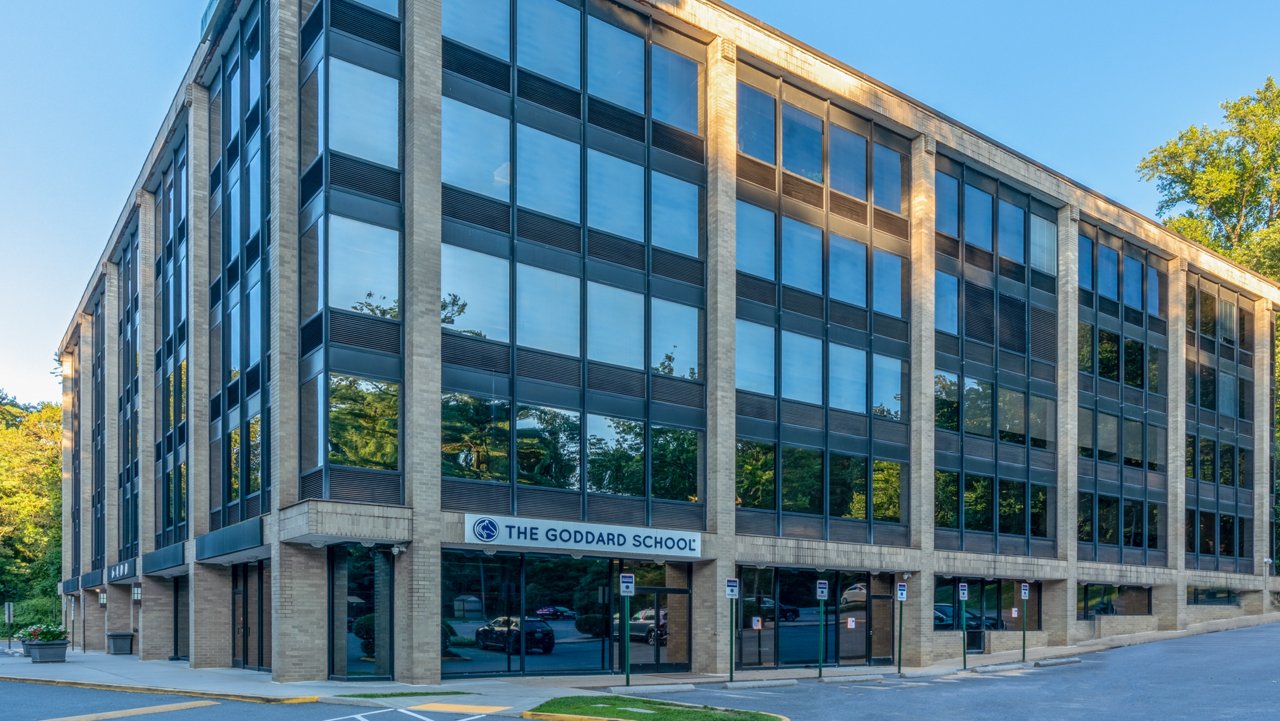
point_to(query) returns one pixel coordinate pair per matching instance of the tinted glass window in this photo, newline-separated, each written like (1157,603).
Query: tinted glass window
(1108,438)
(674,80)
(887,175)
(946,401)
(1133,434)
(848,162)
(886,492)
(364,267)
(1155,295)
(1013,416)
(548,42)
(615,325)
(1044,423)
(547,310)
(802,478)
(1086,263)
(801,255)
(978,492)
(364,113)
(802,143)
(946,208)
(756,123)
(847,369)
(848,487)
(1013,235)
(482,24)
(615,455)
(1044,245)
(977,217)
(977,407)
(755,474)
(801,368)
(754,236)
(392,7)
(1133,282)
(615,195)
(474,293)
(886,395)
(1013,507)
(548,173)
(1108,355)
(848,271)
(888,283)
(475,150)
(946,495)
(676,459)
(1134,364)
(676,330)
(547,447)
(474,440)
(675,214)
(615,58)
(946,303)
(1108,272)
(754,357)
(364,428)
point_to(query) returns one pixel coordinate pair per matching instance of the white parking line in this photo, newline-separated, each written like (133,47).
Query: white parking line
(361,716)
(473,718)
(407,712)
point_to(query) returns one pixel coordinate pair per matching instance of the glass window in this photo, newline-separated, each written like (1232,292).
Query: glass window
(946,204)
(547,441)
(801,255)
(548,172)
(946,495)
(1133,282)
(1108,438)
(675,214)
(1013,507)
(1108,520)
(475,150)
(615,455)
(364,267)
(676,329)
(801,368)
(977,217)
(1085,351)
(887,175)
(615,195)
(1041,510)
(677,454)
(1133,435)
(1013,235)
(548,41)
(754,237)
(364,428)
(614,57)
(848,271)
(1108,272)
(474,437)
(848,162)
(946,303)
(1156,303)
(1044,423)
(615,325)
(755,474)
(1086,263)
(547,310)
(235,343)
(310,424)
(364,113)
(1084,517)
(1227,464)
(1208,388)
(361,589)
(1208,460)
(946,401)
(756,117)
(1157,448)
(1208,315)
(978,501)
(482,24)
(848,492)
(847,371)
(253,327)
(754,357)
(886,491)
(1013,416)
(801,143)
(1044,245)
(887,284)
(887,392)
(1227,321)
(802,479)
(392,7)
(1157,368)
(1227,394)
(475,293)
(1134,364)
(978,397)
(1108,355)
(674,83)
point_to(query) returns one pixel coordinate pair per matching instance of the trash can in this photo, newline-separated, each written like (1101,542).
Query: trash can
(120,643)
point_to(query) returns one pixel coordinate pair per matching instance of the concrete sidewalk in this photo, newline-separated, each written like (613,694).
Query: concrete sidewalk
(513,695)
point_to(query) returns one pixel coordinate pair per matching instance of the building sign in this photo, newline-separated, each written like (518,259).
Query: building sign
(595,538)
(121,571)
(731,588)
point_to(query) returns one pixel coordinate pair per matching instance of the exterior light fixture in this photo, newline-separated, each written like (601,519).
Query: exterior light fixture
(102,599)
(137,593)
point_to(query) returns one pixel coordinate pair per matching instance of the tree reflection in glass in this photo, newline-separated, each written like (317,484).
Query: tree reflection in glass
(615,456)
(473,437)
(886,491)
(755,473)
(547,446)
(676,459)
(475,293)
(848,487)
(364,429)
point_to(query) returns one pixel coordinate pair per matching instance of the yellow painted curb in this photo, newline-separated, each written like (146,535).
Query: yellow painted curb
(458,708)
(143,711)
(247,698)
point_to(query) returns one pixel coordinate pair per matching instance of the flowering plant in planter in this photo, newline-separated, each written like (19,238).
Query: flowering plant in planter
(21,635)
(45,632)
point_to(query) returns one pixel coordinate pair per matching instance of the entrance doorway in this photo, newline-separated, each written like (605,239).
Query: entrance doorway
(181,619)
(251,616)
(659,634)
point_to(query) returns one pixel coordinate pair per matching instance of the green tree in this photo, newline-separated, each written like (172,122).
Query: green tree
(30,499)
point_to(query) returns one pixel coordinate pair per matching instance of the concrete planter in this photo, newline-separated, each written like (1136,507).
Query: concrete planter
(26,651)
(120,643)
(48,651)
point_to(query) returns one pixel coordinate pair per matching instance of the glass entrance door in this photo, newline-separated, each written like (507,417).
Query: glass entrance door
(659,633)
(251,616)
(882,619)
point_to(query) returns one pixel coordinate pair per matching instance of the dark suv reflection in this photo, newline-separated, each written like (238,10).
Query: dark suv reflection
(504,633)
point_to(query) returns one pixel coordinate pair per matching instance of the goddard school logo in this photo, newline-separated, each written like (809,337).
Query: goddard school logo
(485,529)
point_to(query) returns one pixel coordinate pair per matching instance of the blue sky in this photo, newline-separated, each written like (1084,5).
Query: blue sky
(1086,87)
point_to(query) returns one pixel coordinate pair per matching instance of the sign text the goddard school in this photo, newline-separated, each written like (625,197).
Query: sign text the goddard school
(589,537)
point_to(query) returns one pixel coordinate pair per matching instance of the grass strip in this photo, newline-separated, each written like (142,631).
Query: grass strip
(634,708)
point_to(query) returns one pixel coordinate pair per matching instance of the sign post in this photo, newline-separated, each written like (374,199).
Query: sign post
(902,597)
(627,589)
(964,626)
(822,591)
(731,593)
(1026,592)
(8,621)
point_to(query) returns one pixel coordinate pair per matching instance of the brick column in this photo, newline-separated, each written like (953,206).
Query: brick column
(90,619)
(1169,603)
(300,618)
(710,611)
(416,625)
(1058,599)
(1262,409)
(70,370)
(121,617)
(155,633)
(111,417)
(209,603)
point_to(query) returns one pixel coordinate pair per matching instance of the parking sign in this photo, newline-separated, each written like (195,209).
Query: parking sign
(627,584)
(964,592)
(731,588)
(1026,591)
(822,590)
(902,591)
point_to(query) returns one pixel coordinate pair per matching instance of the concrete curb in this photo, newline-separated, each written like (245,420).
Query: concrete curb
(767,683)
(653,688)
(998,667)
(870,678)
(1051,662)
(249,698)
(362,702)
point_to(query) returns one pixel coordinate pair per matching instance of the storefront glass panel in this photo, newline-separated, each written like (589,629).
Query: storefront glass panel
(360,593)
